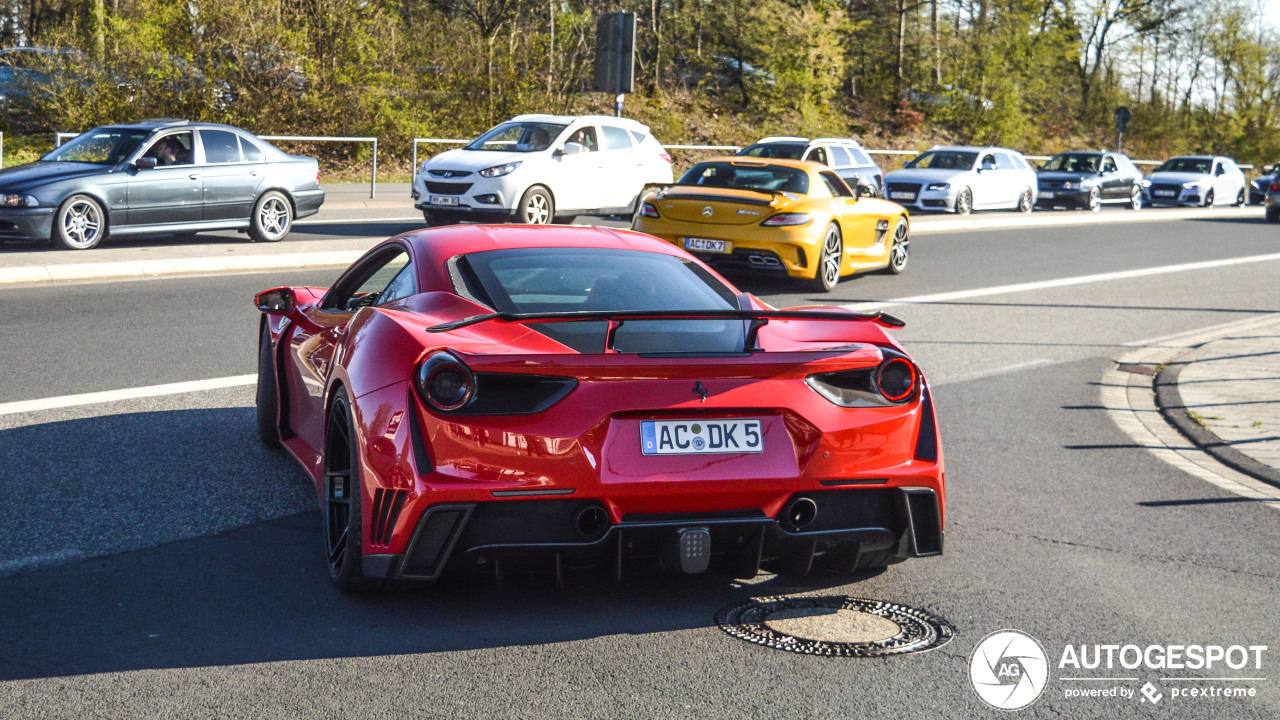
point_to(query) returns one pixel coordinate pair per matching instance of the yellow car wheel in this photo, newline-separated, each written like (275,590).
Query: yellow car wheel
(899,253)
(827,274)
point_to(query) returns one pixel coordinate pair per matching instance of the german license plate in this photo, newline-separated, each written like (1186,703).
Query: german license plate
(443,200)
(704,245)
(902,195)
(1046,195)
(1165,193)
(701,437)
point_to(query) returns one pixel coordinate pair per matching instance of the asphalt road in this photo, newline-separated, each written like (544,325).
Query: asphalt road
(171,567)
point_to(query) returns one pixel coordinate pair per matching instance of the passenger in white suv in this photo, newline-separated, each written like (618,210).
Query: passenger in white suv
(539,168)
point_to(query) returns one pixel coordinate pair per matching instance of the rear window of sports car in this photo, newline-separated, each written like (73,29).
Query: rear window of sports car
(747,177)
(556,280)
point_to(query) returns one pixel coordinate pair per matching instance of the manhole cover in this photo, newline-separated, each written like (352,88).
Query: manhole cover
(836,625)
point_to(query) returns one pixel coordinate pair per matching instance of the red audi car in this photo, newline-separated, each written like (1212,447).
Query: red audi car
(551,399)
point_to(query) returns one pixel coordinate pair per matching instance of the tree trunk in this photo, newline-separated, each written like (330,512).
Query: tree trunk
(98,21)
(902,39)
(937,46)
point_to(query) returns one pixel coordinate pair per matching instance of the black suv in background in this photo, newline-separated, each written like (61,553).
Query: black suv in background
(1089,180)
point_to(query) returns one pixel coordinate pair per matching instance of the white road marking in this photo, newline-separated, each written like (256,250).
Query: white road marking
(30,563)
(94,398)
(993,372)
(1061,282)
(349,221)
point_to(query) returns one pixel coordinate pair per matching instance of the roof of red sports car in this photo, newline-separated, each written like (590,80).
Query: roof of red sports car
(432,247)
(435,245)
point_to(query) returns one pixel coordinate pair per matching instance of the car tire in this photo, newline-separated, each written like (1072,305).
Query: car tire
(340,508)
(1208,199)
(830,259)
(1026,202)
(1240,199)
(899,250)
(1095,200)
(536,207)
(964,202)
(272,217)
(80,223)
(268,393)
(1273,214)
(1135,198)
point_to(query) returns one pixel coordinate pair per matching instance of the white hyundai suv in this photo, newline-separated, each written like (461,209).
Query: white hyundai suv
(537,168)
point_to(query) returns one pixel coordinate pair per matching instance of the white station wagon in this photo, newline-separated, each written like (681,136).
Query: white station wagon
(539,168)
(964,179)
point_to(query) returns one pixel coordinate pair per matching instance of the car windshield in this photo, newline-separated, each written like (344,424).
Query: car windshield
(752,176)
(1186,165)
(945,160)
(782,151)
(558,280)
(101,146)
(518,137)
(1074,163)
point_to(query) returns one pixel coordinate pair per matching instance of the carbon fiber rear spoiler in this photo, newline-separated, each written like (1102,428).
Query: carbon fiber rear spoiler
(757,318)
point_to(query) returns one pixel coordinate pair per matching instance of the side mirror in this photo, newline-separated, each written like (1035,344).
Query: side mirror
(988,166)
(280,301)
(145,163)
(573,148)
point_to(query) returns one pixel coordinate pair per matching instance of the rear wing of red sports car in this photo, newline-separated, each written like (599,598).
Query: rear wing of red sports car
(756,319)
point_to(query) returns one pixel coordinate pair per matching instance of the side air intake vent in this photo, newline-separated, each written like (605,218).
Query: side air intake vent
(386,508)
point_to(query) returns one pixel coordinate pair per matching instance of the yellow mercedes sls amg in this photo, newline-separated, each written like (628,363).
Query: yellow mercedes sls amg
(781,215)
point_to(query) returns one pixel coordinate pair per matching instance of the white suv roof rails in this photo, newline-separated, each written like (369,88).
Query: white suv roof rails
(835,141)
(782,138)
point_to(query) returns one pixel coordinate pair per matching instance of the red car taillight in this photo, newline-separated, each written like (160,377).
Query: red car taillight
(896,379)
(649,210)
(444,382)
(665,156)
(1275,187)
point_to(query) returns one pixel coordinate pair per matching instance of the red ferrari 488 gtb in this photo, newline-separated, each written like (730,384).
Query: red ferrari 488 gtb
(500,398)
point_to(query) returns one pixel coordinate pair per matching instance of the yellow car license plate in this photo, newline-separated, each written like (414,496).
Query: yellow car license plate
(693,244)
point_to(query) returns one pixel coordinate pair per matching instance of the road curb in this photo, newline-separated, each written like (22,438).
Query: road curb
(1169,402)
(1128,394)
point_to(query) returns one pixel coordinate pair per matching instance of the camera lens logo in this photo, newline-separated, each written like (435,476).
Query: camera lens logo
(1008,670)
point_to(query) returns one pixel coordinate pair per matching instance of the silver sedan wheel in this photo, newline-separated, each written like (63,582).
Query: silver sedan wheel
(273,217)
(964,202)
(80,225)
(1135,198)
(1095,200)
(537,210)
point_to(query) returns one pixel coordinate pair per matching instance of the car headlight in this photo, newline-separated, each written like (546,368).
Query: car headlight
(1068,185)
(19,201)
(938,186)
(423,167)
(1191,185)
(1146,183)
(499,170)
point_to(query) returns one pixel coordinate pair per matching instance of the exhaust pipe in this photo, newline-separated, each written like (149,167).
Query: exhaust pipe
(591,521)
(798,513)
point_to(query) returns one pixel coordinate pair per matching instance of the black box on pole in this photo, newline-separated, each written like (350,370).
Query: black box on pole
(616,53)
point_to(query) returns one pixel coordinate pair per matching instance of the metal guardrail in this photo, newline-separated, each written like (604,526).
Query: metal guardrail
(58,137)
